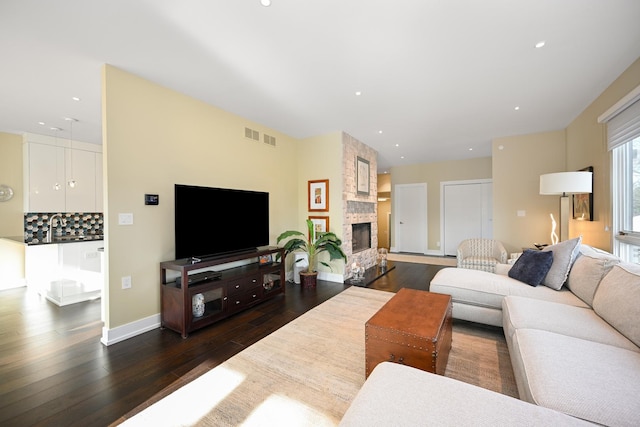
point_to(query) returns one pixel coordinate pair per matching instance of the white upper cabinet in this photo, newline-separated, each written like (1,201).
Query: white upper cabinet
(49,167)
(44,178)
(81,170)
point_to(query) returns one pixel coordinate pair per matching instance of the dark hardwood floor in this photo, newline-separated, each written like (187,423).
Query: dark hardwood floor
(55,372)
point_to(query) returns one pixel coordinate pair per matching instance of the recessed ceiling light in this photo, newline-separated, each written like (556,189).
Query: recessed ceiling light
(380,132)
(517,108)
(41,123)
(75,98)
(265,3)
(397,145)
(470,149)
(402,157)
(540,44)
(358,93)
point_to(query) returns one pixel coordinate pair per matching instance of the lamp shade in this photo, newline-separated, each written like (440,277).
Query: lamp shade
(566,182)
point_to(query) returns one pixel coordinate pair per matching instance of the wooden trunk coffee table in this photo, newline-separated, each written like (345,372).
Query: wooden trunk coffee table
(412,328)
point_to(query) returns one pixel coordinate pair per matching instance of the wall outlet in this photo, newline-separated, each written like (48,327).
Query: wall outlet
(126,282)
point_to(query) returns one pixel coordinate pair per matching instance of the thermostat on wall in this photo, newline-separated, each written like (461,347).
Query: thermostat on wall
(151,199)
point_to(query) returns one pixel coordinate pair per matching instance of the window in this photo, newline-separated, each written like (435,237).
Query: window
(623,129)
(626,200)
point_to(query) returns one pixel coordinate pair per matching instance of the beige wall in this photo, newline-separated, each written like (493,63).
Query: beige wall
(518,162)
(586,146)
(154,138)
(581,144)
(313,166)
(11,215)
(433,174)
(384,209)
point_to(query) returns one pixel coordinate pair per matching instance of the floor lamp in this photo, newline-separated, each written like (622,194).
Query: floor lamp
(563,183)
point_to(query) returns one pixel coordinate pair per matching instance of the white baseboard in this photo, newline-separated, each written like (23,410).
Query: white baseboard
(435,252)
(121,333)
(430,252)
(330,277)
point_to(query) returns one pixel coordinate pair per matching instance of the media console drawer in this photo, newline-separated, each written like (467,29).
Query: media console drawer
(243,285)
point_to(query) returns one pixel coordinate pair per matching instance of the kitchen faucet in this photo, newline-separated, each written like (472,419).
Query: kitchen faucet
(61,220)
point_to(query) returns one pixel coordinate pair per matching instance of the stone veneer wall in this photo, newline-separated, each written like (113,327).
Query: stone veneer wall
(358,208)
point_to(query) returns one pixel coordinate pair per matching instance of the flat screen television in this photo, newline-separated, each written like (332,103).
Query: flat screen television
(216,221)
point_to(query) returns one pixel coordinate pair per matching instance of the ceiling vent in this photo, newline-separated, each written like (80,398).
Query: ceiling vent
(251,134)
(268,139)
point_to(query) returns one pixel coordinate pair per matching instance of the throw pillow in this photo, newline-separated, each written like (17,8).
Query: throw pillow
(532,266)
(564,254)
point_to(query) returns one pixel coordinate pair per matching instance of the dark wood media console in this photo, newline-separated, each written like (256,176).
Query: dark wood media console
(230,291)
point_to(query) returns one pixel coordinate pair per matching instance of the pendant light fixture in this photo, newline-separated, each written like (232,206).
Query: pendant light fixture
(72,181)
(56,185)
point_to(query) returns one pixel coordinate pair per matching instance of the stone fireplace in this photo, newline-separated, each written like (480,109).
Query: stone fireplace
(358,208)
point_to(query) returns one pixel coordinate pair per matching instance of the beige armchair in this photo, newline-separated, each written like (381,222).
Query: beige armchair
(481,254)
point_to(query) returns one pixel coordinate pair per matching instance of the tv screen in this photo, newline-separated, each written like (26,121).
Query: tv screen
(215,221)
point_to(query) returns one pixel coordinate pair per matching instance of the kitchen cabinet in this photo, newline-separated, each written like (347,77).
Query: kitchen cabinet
(50,164)
(65,273)
(80,166)
(43,169)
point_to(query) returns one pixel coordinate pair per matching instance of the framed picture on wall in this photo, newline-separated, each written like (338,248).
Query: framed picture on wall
(320,225)
(318,195)
(362,176)
(583,203)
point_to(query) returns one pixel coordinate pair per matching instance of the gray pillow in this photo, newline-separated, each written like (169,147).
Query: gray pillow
(590,266)
(531,267)
(564,254)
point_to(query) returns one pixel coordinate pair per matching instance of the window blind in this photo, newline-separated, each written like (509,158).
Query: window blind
(624,127)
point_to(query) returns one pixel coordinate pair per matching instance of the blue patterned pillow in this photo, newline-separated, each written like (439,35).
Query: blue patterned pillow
(532,267)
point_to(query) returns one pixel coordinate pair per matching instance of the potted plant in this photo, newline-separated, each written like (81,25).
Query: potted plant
(296,241)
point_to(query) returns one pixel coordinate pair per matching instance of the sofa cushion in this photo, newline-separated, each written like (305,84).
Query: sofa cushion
(484,289)
(585,379)
(617,300)
(590,266)
(531,267)
(399,395)
(564,254)
(578,322)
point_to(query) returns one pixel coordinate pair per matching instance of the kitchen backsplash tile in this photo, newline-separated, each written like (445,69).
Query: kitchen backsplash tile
(36,225)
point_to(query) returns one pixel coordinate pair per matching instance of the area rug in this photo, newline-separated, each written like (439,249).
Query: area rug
(308,372)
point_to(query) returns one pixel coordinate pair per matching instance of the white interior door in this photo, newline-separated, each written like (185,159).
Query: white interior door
(467,213)
(410,213)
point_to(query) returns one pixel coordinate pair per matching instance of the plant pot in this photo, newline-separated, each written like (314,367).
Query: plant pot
(308,280)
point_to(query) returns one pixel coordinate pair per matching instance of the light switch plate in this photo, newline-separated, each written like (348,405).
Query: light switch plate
(125,219)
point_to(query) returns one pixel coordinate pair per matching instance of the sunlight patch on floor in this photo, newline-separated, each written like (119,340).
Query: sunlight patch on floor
(188,405)
(284,411)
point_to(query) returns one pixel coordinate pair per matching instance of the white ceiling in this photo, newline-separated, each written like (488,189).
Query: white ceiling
(437,77)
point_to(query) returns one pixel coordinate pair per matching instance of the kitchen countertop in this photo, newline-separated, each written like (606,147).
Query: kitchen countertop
(59,239)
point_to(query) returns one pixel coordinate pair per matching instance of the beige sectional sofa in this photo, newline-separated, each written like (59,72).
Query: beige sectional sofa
(574,341)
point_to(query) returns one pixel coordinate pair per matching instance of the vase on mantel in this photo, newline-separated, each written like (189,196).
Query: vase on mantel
(308,280)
